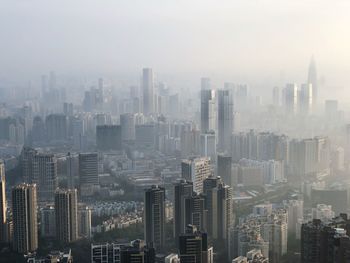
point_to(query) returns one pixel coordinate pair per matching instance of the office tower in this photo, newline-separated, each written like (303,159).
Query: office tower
(45,175)
(208,110)
(225,119)
(291,99)
(48,222)
(306,102)
(56,127)
(208,146)
(276,96)
(196,170)
(196,212)
(312,79)
(193,247)
(154,217)
(190,143)
(24,215)
(84,222)
(88,173)
(109,137)
(3,204)
(182,191)
(66,210)
(209,184)
(72,165)
(224,166)
(127,123)
(68,109)
(148,91)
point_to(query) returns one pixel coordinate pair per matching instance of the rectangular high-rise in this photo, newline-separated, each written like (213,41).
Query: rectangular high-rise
(148,91)
(66,209)
(196,170)
(183,190)
(225,119)
(193,246)
(109,137)
(88,173)
(24,215)
(154,217)
(3,204)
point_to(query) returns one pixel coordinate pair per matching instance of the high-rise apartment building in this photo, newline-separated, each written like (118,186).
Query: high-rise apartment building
(154,217)
(48,222)
(24,215)
(66,210)
(196,170)
(84,222)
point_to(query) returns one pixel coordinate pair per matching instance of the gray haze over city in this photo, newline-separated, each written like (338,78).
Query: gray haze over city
(174,131)
(262,42)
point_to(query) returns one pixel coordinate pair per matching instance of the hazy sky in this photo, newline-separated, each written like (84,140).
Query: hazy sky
(243,39)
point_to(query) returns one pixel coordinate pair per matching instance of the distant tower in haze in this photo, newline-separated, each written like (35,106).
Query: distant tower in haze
(148,91)
(312,79)
(2,203)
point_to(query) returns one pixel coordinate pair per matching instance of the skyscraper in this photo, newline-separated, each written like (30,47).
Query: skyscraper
(306,99)
(208,146)
(109,137)
(312,78)
(45,175)
(154,217)
(193,246)
(291,99)
(224,166)
(84,222)
(182,190)
(196,170)
(3,204)
(48,222)
(127,123)
(88,173)
(24,214)
(225,119)
(148,91)
(66,209)
(208,111)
